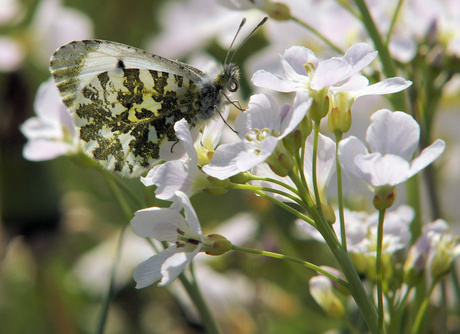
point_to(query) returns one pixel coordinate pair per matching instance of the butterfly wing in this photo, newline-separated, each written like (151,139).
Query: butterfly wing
(124,101)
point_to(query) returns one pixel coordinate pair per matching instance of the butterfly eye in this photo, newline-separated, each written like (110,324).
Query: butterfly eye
(233,87)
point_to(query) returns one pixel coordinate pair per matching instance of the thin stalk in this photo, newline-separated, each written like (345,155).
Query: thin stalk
(207,318)
(423,308)
(378,268)
(356,287)
(393,21)
(109,295)
(286,207)
(313,167)
(275,181)
(318,34)
(343,233)
(388,64)
(271,190)
(292,259)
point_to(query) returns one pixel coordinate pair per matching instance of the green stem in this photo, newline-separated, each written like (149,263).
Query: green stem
(292,259)
(356,287)
(343,233)
(388,64)
(378,269)
(313,166)
(423,308)
(393,21)
(271,190)
(278,182)
(207,318)
(318,34)
(108,297)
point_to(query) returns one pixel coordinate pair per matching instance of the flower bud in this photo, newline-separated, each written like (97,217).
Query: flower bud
(339,121)
(277,11)
(323,292)
(384,197)
(216,244)
(215,186)
(281,161)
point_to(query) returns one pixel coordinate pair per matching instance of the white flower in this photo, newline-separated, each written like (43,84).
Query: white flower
(303,71)
(361,230)
(52,133)
(322,291)
(361,234)
(392,138)
(167,224)
(181,174)
(433,252)
(259,129)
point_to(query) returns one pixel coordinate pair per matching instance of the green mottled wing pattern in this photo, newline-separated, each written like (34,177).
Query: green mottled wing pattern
(125,101)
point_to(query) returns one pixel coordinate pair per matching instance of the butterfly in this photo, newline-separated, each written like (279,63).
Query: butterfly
(125,101)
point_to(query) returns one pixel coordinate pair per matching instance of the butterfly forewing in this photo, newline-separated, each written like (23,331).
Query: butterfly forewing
(125,101)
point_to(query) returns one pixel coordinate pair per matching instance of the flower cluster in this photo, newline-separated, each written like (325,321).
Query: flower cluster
(284,153)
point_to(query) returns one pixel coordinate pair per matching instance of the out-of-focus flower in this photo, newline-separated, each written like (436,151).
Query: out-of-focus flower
(167,224)
(392,138)
(191,25)
(361,234)
(52,26)
(322,290)
(51,133)
(433,253)
(260,130)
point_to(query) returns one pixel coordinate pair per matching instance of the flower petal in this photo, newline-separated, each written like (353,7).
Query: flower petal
(393,133)
(382,170)
(296,113)
(427,156)
(159,223)
(263,112)
(166,265)
(189,211)
(269,80)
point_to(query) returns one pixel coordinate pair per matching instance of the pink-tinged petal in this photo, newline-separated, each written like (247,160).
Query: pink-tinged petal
(297,57)
(269,80)
(378,170)
(44,149)
(349,148)
(296,114)
(353,85)
(171,177)
(427,156)
(248,159)
(330,72)
(37,128)
(263,113)
(359,56)
(159,223)
(190,214)
(224,161)
(387,86)
(393,133)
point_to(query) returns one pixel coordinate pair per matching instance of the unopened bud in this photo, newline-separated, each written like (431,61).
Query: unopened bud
(216,244)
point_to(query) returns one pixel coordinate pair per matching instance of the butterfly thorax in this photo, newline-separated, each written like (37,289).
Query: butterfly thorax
(214,91)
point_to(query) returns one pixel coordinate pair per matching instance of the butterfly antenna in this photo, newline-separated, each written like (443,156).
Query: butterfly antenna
(234,38)
(246,39)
